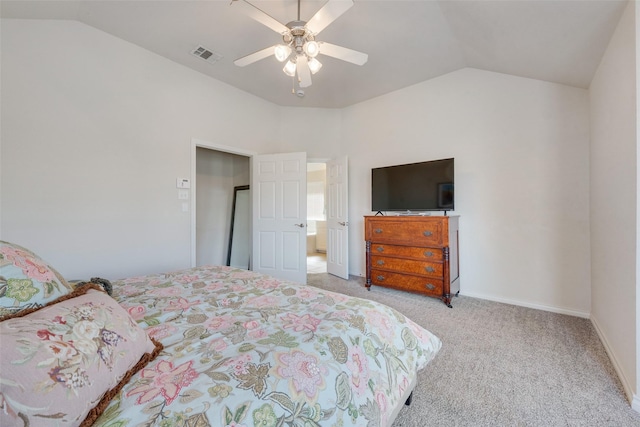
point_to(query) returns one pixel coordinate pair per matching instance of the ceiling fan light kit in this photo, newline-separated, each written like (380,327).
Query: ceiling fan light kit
(314,65)
(290,68)
(300,47)
(311,48)
(282,52)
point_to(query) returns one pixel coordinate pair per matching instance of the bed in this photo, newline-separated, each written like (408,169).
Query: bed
(227,347)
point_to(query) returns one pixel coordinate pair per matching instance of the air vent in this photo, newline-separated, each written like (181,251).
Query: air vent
(206,54)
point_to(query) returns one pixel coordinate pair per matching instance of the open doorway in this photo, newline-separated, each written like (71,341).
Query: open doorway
(216,172)
(316,218)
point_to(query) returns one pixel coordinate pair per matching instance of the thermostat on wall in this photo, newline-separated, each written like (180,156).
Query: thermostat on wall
(183,183)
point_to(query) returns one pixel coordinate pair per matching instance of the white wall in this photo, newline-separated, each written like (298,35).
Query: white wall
(95,132)
(614,201)
(521,148)
(314,130)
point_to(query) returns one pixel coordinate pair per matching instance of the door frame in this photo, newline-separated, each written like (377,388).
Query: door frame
(200,143)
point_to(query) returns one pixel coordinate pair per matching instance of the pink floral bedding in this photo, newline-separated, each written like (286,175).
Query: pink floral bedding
(244,349)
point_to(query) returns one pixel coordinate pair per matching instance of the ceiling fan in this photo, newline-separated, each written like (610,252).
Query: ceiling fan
(299,45)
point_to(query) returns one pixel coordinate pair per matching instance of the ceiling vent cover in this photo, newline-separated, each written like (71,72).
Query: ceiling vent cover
(206,54)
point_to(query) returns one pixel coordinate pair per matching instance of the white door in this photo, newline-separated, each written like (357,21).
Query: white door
(337,218)
(279,195)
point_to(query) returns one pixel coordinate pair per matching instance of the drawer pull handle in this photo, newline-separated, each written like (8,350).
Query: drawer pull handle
(380,249)
(430,286)
(428,253)
(378,230)
(427,233)
(380,262)
(430,269)
(380,277)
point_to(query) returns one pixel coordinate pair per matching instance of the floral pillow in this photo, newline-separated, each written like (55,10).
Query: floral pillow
(26,281)
(61,364)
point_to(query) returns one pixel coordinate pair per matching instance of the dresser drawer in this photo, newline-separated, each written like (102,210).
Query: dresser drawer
(413,232)
(406,282)
(427,254)
(423,268)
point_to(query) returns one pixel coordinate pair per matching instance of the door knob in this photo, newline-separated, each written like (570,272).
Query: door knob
(344,223)
(299,225)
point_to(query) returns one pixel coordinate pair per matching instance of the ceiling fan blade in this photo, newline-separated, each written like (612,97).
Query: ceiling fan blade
(260,16)
(254,57)
(327,14)
(343,53)
(304,74)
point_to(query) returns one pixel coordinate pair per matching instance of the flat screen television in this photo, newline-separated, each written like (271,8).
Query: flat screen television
(414,187)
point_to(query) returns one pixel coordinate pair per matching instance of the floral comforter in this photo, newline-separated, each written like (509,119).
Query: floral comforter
(245,349)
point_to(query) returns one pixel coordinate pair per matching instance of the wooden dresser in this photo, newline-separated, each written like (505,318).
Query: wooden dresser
(413,253)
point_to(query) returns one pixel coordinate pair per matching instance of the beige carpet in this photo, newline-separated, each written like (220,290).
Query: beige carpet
(504,365)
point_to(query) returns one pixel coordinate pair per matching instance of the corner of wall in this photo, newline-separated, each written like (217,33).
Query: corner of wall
(626,385)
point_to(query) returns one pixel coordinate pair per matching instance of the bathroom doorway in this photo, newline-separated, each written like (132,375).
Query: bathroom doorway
(316,218)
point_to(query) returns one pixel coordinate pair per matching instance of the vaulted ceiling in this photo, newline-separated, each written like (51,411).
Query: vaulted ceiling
(408,41)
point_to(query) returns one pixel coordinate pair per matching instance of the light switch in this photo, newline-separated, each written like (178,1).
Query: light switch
(183,183)
(183,194)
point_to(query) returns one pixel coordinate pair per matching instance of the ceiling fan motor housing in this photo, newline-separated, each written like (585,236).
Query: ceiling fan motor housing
(297,36)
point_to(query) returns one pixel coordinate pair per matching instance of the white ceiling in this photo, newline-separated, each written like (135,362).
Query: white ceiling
(408,41)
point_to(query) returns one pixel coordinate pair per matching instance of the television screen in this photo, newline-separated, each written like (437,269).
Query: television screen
(425,186)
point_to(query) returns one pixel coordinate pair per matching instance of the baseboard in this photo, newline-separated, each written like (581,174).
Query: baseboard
(551,309)
(626,386)
(635,404)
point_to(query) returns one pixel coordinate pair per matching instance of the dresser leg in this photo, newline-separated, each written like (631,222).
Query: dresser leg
(368,259)
(447,300)
(409,399)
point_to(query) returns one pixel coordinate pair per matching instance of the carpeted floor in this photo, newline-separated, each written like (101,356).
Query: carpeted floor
(503,365)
